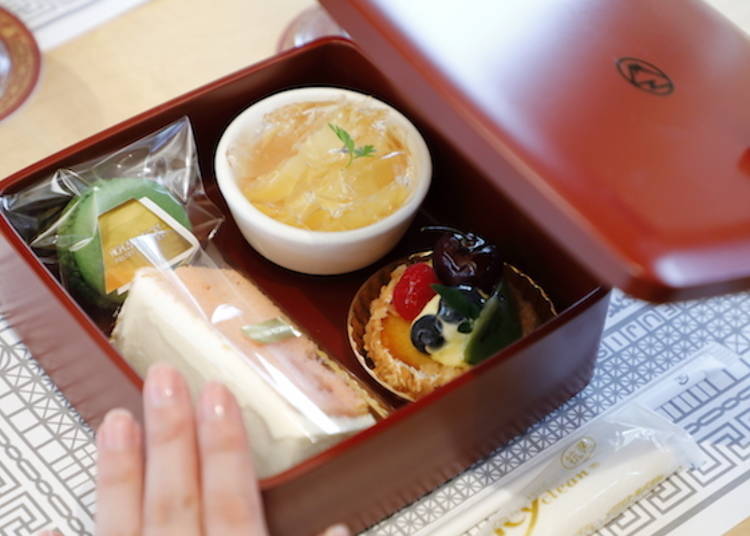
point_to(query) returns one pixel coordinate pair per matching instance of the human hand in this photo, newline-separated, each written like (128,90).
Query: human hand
(196,477)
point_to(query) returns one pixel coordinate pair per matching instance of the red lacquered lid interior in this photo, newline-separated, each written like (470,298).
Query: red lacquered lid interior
(622,126)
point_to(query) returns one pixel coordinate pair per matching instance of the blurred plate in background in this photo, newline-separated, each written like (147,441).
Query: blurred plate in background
(20,62)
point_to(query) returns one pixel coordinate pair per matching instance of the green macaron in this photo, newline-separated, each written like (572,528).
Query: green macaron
(79,244)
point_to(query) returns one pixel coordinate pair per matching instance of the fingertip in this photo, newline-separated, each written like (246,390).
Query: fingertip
(159,366)
(118,431)
(337,530)
(221,428)
(158,370)
(164,386)
(214,402)
(231,499)
(119,473)
(217,403)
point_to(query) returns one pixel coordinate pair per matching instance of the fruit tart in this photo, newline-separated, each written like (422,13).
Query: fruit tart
(420,322)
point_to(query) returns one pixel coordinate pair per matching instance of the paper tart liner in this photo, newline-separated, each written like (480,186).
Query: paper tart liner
(536,309)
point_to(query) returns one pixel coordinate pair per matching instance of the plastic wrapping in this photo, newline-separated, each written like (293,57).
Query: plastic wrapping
(214,324)
(79,220)
(588,481)
(129,234)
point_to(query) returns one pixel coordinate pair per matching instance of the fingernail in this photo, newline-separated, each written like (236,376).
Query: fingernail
(161,385)
(214,402)
(337,530)
(48,533)
(117,432)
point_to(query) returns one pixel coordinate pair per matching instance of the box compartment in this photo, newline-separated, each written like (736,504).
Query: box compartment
(422,444)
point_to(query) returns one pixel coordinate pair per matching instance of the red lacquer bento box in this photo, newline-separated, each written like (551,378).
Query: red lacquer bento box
(576,135)
(422,444)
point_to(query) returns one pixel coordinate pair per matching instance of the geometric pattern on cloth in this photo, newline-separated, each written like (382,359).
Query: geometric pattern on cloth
(47,454)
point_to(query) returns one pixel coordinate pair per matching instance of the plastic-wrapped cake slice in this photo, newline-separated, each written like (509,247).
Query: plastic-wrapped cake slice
(213,324)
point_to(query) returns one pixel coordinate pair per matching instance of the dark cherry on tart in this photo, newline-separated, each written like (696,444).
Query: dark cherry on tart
(420,322)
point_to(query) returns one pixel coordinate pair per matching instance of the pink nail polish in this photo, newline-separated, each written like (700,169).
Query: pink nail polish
(214,402)
(118,431)
(161,385)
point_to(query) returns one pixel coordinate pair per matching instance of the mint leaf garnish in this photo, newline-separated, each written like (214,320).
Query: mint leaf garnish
(350,147)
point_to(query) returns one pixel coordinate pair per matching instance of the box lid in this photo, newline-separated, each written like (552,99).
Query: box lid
(622,127)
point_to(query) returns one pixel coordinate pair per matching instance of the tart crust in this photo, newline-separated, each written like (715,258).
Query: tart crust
(402,377)
(413,381)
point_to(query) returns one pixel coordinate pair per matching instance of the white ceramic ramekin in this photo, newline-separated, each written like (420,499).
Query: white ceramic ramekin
(317,252)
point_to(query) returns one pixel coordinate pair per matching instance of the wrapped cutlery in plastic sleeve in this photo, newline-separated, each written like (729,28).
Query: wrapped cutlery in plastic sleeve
(590,479)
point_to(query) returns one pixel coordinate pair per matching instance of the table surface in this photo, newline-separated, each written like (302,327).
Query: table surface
(149,55)
(134,62)
(145,57)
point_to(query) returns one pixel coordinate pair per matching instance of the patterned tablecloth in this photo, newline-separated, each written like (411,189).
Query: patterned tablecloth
(47,460)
